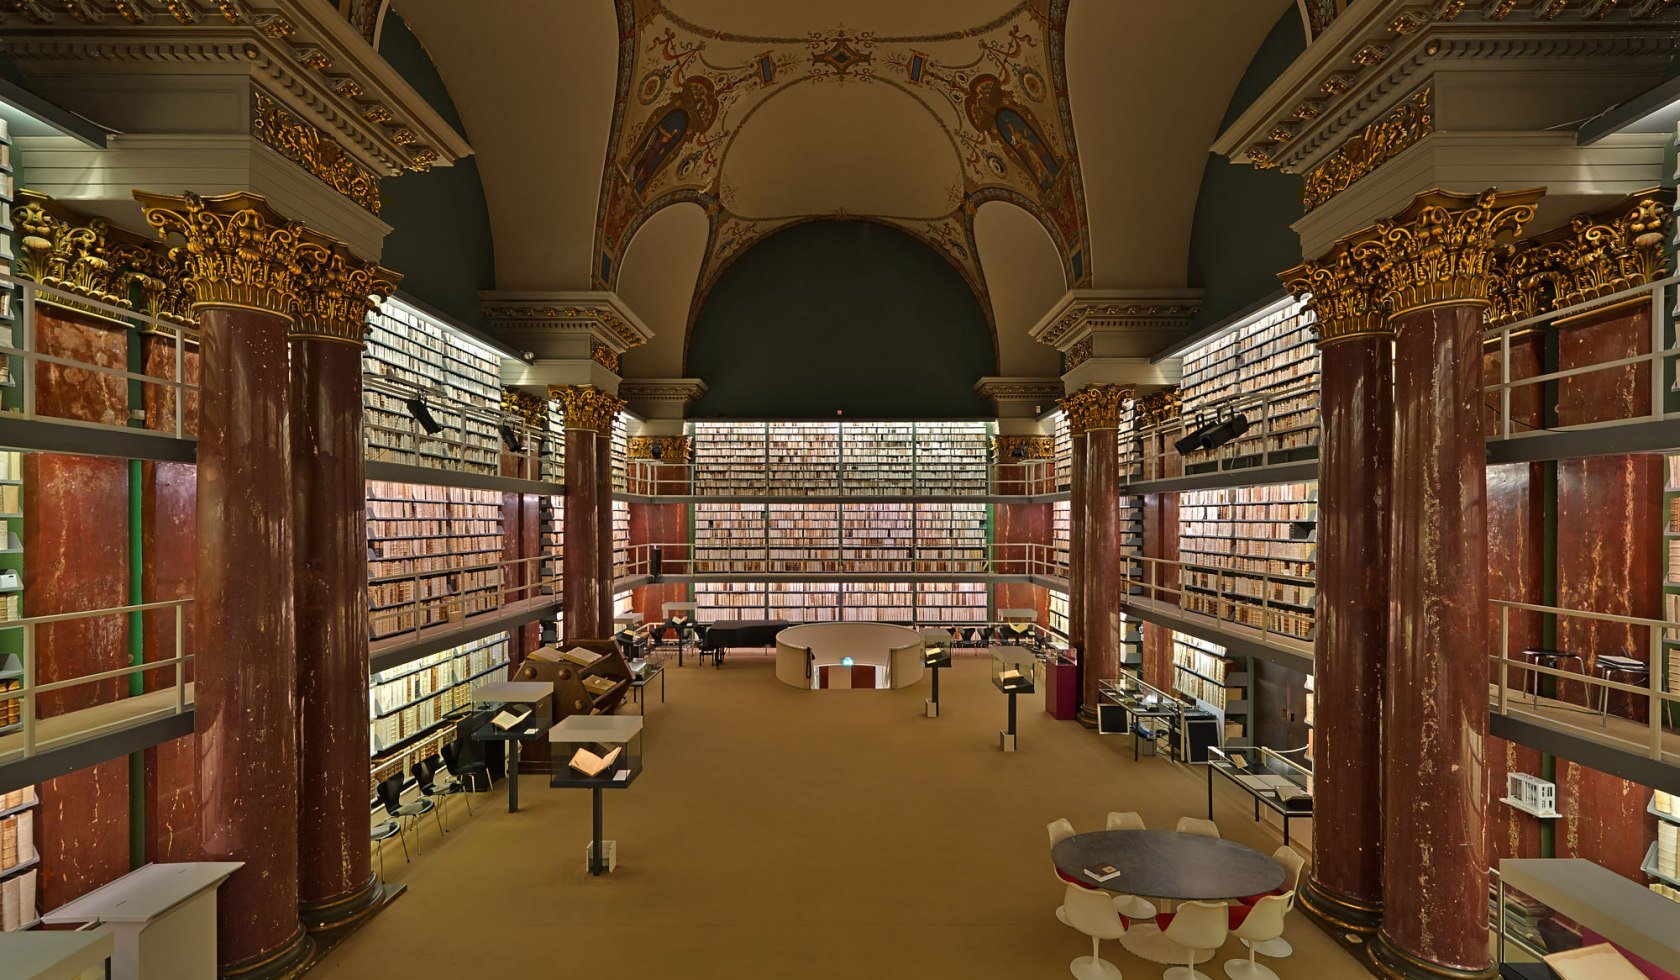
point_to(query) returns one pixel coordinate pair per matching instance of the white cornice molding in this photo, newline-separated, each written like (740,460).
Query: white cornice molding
(599,313)
(303,53)
(1082,312)
(1019,388)
(670,390)
(1377,53)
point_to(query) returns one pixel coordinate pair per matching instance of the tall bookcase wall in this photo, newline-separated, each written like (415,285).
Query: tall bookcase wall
(19,859)
(1063,444)
(864,458)
(1131,543)
(621,452)
(1219,682)
(413,708)
(409,355)
(929,603)
(552,519)
(620,537)
(1229,538)
(440,545)
(1671,575)
(827,538)
(1059,613)
(1270,356)
(1061,530)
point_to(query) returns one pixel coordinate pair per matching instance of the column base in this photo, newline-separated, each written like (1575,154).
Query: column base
(345,911)
(1337,914)
(1087,716)
(1397,964)
(290,959)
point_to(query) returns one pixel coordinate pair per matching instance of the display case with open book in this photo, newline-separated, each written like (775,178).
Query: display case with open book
(599,751)
(1013,668)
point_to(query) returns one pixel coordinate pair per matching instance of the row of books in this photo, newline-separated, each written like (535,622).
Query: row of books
(1294,594)
(436,673)
(17,798)
(17,839)
(383,623)
(17,901)
(1255,565)
(382,568)
(1280,512)
(1272,349)
(1285,622)
(404,547)
(11,465)
(1667,858)
(11,709)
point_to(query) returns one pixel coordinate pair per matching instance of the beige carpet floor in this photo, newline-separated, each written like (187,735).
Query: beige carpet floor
(779,833)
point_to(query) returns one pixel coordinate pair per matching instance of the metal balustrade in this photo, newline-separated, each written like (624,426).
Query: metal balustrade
(1162,582)
(1148,451)
(657,478)
(678,558)
(456,446)
(540,580)
(1658,360)
(35,733)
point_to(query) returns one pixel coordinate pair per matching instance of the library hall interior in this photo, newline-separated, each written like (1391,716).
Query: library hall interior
(850,490)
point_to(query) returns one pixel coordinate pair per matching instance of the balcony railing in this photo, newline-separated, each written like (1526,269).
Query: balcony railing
(679,558)
(1247,604)
(1283,427)
(469,439)
(449,604)
(1657,363)
(656,478)
(35,732)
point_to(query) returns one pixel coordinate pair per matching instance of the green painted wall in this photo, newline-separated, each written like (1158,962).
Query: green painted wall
(440,228)
(1240,237)
(846,315)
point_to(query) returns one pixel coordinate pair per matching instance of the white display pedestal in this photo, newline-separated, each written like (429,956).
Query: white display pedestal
(162,916)
(40,955)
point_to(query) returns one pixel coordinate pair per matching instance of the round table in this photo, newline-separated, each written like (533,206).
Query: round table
(1165,864)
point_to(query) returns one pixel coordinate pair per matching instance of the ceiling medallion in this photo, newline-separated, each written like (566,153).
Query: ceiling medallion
(840,56)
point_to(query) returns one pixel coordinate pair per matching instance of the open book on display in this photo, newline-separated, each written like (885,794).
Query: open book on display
(590,764)
(510,719)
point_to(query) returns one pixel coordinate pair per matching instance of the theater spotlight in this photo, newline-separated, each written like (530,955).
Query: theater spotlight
(511,440)
(417,408)
(1213,435)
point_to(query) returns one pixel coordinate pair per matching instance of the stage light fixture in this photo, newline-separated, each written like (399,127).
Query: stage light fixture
(418,410)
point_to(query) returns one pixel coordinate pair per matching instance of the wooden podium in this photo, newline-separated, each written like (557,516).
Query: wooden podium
(571,697)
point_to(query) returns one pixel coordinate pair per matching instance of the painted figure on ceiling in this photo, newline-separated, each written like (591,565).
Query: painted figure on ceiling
(993,112)
(691,111)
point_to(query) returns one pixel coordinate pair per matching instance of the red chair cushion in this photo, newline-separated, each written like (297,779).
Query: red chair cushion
(1074,881)
(1164,919)
(1238,914)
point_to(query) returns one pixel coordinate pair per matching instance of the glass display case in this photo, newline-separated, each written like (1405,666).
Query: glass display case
(596,751)
(1278,781)
(1570,917)
(1013,669)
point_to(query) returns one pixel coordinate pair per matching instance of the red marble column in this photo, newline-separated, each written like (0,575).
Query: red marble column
(604,543)
(1345,888)
(1096,411)
(1087,714)
(336,883)
(581,582)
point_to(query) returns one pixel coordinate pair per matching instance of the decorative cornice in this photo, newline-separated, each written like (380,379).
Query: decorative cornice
(1081,311)
(671,390)
(67,250)
(239,251)
(586,407)
(672,449)
(1012,449)
(1021,389)
(303,52)
(310,148)
(1342,294)
(601,313)
(1076,355)
(1155,408)
(603,355)
(1440,249)
(533,411)
(336,294)
(1096,407)
(1615,249)
(1371,147)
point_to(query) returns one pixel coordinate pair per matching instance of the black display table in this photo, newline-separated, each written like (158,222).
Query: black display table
(1006,738)
(1249,778)
(529,732)
(934,661)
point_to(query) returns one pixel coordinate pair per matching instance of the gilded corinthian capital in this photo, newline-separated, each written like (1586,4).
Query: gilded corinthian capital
(1096,407)
(239,251)
(586,407)
(1440,250)
(670,449)
(1006,449)
(335,295)
(1342,294)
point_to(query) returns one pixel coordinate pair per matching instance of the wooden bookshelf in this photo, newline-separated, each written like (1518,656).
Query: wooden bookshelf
(803,538)
(795,459)
(413,708)
(1059,613)
(442,545)
(19,859)
(620,537)
(1237,534)
(1219,682)
(409,354)
(620,453)
(1273,354)
(1061,530)
(551,514)
(1063,451)
(1131,543)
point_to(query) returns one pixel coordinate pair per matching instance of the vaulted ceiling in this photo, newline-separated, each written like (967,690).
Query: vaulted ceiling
(643,145)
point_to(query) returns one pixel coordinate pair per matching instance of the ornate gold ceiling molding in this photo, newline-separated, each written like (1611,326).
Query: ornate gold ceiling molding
(1373,51)
(1082,311)
(1011,449)
(1098,406)
(61,248)
(586,407)
(671,449)
(599,313)
(1155,408)
(1076,355)
(304,53)
(1370,148)
(1597,255)
(530,409)
(239,251)
(337,293)
(1440,250)
(313,150)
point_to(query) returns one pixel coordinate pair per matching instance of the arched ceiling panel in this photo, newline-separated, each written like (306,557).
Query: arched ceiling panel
(886,18)
(657,281)
(1024,274)
(1148,84)
(534,81)
(821,149)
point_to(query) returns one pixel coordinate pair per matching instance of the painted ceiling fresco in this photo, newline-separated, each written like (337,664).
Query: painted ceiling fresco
(995,92)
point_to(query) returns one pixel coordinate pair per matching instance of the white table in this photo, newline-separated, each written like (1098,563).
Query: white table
(41,955)
(162,918)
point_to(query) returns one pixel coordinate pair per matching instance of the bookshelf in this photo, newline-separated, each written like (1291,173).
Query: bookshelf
(727,601)
(909,602)
(620,452)
(1061,530)
(729,538)
(1229,537)
(1662,859)
(858,538)
(1063,451)
(1205,671)
(620,538)
(793,459)
(1268,356)
(19,859)
(804,456)
(409,354)
(812,602)
(878,538)
(1131,543)
(1670,667)
(951,537)
(441,545)
(880,458)
(413,708)
(953,458)
(803,538)
(953,602)
(1131,643)
(1059,613)
(729,458)
(551,518)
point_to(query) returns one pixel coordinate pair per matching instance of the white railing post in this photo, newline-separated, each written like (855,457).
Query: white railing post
(180,659)
(26,317)
(27,692)
(1505,384)
(1504,654)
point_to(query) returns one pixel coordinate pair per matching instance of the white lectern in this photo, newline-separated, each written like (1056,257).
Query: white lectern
(163,917)
(37,955)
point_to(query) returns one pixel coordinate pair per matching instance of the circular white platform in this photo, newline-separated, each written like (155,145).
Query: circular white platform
(897,649)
